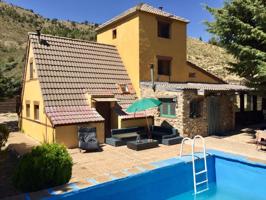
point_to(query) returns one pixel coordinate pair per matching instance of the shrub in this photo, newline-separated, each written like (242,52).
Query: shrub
(4,133)
(46,166)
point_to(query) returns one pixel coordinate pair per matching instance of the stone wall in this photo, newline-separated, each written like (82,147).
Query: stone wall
(194,126)
(186,125)
(227,114)
(176,122)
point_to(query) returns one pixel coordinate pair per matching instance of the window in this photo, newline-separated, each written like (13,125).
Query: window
(36,112)
(27,109)
(168,108)
(164,66)
(192,75)
(163,29)
(31,70)
(195,108)
(124,88)
(114,34)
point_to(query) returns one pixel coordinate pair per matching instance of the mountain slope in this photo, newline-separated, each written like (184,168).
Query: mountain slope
(16,22)
(213,59)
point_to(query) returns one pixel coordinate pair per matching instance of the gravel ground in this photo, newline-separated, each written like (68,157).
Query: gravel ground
(8,160)
(11,120)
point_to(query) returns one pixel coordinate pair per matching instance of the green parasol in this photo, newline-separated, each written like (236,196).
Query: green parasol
(143,105)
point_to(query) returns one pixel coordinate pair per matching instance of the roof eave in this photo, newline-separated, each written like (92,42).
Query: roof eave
(78,123)
(101,27)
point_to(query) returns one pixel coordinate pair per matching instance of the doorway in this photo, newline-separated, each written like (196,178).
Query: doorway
(213,115)
(104,109)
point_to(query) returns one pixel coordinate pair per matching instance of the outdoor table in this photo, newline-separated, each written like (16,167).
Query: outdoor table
(142,144)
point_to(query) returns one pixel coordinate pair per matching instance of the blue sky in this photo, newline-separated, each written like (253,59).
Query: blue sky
(99,11)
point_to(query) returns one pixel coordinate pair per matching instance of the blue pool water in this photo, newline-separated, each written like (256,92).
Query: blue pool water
(230,178)
(221,193)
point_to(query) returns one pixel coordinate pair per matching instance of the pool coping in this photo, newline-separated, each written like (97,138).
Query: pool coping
(156,166)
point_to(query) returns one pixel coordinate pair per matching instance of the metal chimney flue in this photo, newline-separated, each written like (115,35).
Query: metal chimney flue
(38,31)
(152,76)
(160,7)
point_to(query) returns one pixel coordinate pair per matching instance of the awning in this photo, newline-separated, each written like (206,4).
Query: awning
(197,86)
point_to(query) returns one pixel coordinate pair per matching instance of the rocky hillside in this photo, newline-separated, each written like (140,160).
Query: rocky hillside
(213,59)
(16,22)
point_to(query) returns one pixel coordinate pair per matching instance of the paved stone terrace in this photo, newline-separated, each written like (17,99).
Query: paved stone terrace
(117,162)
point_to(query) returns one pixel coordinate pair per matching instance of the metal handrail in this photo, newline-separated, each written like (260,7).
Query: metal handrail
(193,161)
(182,145)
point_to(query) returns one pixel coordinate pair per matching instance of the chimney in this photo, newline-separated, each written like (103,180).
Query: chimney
(152,76)
(160,7)
(38,31)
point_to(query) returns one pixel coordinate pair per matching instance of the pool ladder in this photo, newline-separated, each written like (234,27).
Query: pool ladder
(204,171)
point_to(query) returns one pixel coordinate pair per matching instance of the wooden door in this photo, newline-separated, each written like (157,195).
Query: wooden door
(213,115)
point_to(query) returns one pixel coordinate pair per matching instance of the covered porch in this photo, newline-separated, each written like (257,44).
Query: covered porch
(196,108)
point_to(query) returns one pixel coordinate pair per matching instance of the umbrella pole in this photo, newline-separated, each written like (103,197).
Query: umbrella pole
(149,134)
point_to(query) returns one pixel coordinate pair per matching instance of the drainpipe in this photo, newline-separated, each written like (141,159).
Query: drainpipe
(152,76)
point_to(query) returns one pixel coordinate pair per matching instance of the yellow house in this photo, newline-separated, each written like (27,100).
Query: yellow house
(69,83)
(145,35)
(152,45)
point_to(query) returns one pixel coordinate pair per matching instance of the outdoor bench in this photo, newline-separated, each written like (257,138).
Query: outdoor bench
(166,136)
(120,137)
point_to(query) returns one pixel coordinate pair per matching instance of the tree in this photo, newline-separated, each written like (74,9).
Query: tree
(240,27)
(8,86)
(73,23)
(86,22)
(213,41)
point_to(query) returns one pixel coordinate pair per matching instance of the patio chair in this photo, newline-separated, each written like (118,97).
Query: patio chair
(261,139)
(87,139)
(261,143)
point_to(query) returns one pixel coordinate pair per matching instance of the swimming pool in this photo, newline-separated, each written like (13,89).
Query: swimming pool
(230,177)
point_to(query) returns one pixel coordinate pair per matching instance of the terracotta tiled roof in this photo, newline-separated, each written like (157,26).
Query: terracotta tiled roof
(72,114)
(68,69)
(143,7)
(196,86)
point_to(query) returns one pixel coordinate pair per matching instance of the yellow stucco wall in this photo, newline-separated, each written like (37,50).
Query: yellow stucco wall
(200,76)
(125,123)
(152,46)
(127,43)
(41,130)
(68,134)
(139,46)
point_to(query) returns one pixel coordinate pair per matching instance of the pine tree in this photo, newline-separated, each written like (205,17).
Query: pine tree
(240,27)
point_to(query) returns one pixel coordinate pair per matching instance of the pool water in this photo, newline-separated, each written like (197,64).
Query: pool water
(219,193)
(230,178)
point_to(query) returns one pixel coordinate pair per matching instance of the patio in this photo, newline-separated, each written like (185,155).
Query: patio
(116,162)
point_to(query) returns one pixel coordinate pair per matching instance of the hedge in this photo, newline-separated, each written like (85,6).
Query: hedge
(46,166)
